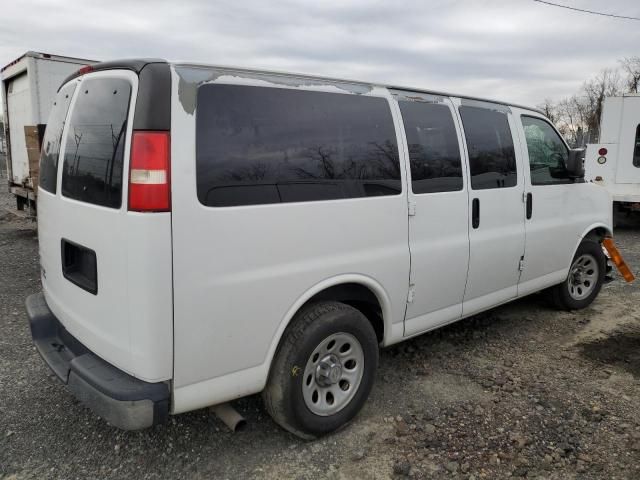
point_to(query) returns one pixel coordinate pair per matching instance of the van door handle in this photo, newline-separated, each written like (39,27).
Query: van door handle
(475,213)
(529,205)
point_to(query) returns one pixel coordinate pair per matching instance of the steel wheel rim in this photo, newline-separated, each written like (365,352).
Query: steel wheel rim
(583,276)
(333,374)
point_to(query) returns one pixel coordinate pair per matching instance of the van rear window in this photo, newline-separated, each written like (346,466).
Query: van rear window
(53,137)
(94,150)
(257,145)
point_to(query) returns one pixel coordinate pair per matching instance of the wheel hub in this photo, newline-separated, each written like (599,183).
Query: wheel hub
(329,370)
(583,277)
(333,374)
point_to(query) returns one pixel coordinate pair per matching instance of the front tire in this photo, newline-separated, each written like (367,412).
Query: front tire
(323,371)
(585,279)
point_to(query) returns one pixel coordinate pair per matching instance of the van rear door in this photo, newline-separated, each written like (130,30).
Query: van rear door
(106,271)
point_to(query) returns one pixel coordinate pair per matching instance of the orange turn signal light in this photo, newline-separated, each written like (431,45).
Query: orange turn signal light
(617,260)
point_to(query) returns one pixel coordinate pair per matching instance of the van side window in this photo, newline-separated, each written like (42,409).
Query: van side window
(548,154)
(94,150)
(636,150)
(492,158)
(258,145)
(434,153)
(53,137)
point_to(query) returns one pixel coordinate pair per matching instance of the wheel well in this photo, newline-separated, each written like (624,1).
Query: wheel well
(598,233)
(359,297)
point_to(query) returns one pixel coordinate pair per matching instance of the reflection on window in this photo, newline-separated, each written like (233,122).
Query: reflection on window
(636,150)
(492,158)
(53,137)
(258,145)
(434,153)
(94,150)
(548,154)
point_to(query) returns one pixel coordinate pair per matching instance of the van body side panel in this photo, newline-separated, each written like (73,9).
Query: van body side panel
(238,270)
(561,215)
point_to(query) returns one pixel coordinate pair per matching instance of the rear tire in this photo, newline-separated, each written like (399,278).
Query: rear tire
(585,278)
(323,371)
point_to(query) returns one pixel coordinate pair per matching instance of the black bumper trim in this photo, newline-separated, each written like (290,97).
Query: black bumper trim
(124,401)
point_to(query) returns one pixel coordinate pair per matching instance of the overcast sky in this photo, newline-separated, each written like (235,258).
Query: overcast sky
(515,50)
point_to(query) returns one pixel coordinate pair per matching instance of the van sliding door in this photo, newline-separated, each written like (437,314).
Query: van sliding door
(438,231)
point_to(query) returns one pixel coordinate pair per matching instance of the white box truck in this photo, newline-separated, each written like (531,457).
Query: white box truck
(29,86)
(615,162)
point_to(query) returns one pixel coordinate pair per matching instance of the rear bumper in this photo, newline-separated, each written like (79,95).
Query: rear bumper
(124,401)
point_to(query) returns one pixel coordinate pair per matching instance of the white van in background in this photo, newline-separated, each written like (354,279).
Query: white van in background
(614,163)
(208,233)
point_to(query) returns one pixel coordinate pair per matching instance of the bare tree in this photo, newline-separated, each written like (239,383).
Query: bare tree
(550,109)
(631,66)
(571,119)
(578,117)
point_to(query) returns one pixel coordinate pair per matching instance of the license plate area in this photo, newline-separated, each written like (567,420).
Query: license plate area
(79,266)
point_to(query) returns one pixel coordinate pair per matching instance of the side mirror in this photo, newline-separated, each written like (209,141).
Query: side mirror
(575,163)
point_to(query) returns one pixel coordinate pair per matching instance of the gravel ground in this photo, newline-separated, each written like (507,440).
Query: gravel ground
(520,391)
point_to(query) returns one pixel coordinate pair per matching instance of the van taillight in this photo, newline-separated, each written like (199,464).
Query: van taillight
(149,172)
(85,69)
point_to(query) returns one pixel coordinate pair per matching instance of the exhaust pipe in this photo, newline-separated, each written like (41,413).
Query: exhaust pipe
(229,416)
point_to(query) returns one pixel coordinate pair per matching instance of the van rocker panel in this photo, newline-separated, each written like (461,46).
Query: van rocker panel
(124,401)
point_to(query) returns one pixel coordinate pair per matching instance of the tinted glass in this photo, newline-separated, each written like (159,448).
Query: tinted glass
(434,153)
(548,154)
(636,150)
(94,150)
(259,145)
(53,137)
(492,158)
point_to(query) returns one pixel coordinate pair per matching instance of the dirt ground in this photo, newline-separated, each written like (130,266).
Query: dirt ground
(520,391)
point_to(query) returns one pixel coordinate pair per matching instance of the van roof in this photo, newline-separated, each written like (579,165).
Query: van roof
(138,64)
(353,82)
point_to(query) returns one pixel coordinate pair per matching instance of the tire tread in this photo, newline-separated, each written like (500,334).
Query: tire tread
(273,393)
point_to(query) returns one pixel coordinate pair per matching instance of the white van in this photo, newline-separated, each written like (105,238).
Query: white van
(208,233)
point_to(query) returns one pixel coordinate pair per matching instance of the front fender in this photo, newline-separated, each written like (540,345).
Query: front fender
(601,226)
